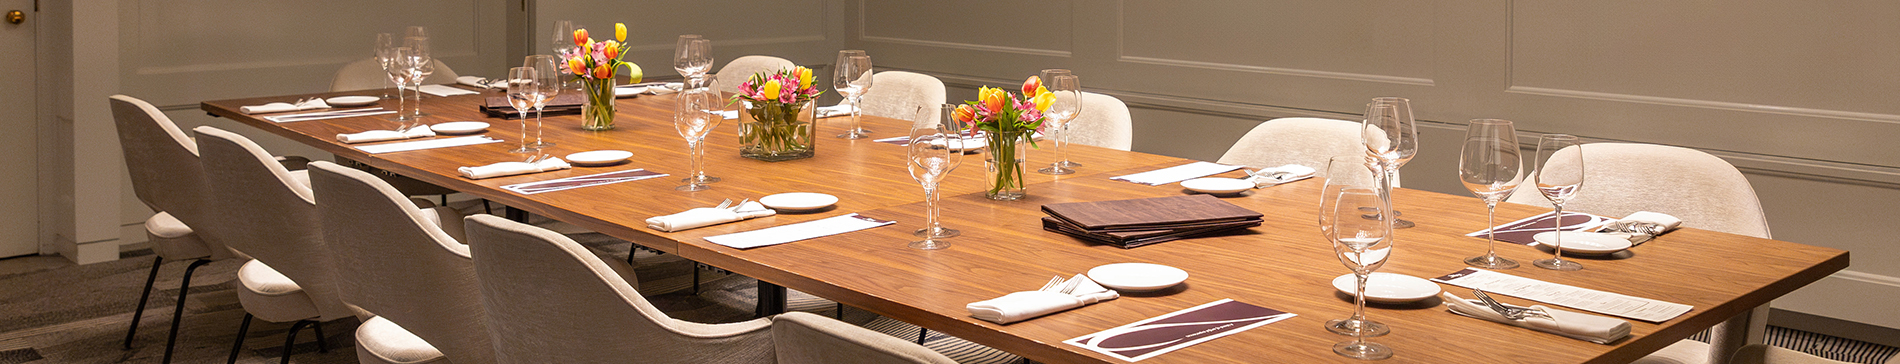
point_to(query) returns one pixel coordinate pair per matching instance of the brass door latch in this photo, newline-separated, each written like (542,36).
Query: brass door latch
(16,17)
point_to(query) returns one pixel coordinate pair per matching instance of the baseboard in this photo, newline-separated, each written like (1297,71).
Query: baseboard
(91,252)
(1848,297)
(1834,327)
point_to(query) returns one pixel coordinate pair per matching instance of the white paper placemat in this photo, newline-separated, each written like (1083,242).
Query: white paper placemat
(1564,295)
(1176,173)
(335,114)
(444,91)
(805,230)
(427,144)
(582,181)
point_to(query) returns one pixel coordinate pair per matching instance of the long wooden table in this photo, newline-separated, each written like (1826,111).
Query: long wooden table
(1283,265)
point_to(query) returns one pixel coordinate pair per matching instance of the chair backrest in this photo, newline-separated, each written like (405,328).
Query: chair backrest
(898,94)
(1622,178)
(737,71)
(264,212)
(550,300)
(163,163)
(1104,122)
(1304,141)
(804,338)
(401,265)
(366,74)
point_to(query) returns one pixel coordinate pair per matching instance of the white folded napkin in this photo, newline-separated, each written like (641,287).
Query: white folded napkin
(666,88)
(708,216)
(444,91)
(1660,219)
(1292,172)
(381,135)
(1580,326)
(311,104)
(478,82)
(834,110)
(513,168)
(1031,304)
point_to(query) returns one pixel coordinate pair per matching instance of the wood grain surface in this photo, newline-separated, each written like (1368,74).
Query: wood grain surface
(1283,264)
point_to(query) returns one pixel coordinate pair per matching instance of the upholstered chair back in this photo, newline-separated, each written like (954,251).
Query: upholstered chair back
(737,71)
(1304,141)
(366,74)
(1104,122)
(163,164)
(265,212)
(899,94)
(1622,178)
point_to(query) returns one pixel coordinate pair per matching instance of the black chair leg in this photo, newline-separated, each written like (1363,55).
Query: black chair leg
(291,338)
(695,279)
(179,312)
(140,312)
(445,200)
(239,346)
(840,313)
(323,346)
(486,209)
(921,332)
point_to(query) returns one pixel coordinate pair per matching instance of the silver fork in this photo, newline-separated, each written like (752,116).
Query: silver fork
(723,204)
(1514,313)
(1053,282)
(1069,287)
(735,208)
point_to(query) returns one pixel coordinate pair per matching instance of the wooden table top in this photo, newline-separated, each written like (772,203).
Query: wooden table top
(1283,265)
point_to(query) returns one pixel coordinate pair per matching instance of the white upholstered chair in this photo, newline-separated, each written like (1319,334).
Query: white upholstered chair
(1104,122)
(1304,141)
(550,300)
(1701,189)
(803,338)
(366,74)
(403,265)
(899,94)
(737,71)
(1764,354)
(270,214)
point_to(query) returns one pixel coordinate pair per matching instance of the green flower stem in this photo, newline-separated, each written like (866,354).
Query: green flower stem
(599,113)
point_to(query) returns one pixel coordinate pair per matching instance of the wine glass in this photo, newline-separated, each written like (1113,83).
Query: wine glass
(415,31)
(401,63)
(852,80)
(1068,105)
(949,132)
(1355,174)
(1361,244)
(564,48)
(1391,137)
(930,159)
(694,116)
(524,92)
(1559,176)
(692,57)
(547,75)
(384,43)
(423,66)
(1491,166)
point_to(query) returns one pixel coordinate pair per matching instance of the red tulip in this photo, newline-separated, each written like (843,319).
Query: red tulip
(965,113)
(604,71)
(580,37)
(1030,85)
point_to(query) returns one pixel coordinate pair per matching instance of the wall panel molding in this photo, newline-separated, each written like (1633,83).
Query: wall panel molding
(1707,104)
(967,46)
(1400,80)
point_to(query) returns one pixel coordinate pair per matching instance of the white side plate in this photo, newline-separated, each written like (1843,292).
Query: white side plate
(459,127)
(598,157)
(1137,277)
(798,201)
(1584,242)
(625,92)
(352,100)
(1390,287)
(1217,185)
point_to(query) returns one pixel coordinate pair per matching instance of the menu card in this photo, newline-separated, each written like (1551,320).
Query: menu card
(805,230)
(1521,231)
(582,181)
(1176,173)
(1147,338)
(427,144)
(338,114)
(1568,296)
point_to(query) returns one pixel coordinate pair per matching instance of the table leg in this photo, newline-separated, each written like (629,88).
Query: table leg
(771,299)
(518,215)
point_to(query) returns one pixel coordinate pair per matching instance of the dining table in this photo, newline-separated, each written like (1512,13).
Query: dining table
(1284,264)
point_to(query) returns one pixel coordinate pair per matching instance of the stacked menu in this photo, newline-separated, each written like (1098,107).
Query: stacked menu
(563,104)
(1137,222)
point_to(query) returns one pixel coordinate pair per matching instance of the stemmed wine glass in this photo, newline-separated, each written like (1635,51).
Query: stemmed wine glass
(1559,176)
(1361,244)
(384,43)
(1491,166)
(547,71)
(692,57)
(949,132)
(1391,138)
(423,66)
(694,115)
(930,159)
(401,68)
(524,92)
(1068,105)
(564,48)
(1351,174)
(852,80)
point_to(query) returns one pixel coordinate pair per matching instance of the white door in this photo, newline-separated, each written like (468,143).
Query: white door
(19,223)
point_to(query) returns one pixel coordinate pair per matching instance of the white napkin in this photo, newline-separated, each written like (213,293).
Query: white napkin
(1661,219)
(312,104)
(513,168)
(667,88)
(1177,173)
(835,110)
(444,91)
(478,82)
(708,216)
(1586,327)
(1294,172)
(1026,305)
(381,135)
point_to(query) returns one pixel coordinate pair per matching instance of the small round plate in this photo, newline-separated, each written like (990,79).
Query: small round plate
(1137,277)
(1390,287)
(1217,185)
(625,92)
(598,157)
(798,201)
(1585,242)
(352,100)
(459,127)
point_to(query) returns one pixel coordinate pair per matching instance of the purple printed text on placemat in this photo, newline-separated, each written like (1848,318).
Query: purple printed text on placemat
(1521,231)
(1148,338)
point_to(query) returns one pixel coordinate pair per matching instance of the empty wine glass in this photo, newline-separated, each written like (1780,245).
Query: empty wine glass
(384,43)
(929,160)
(547,71)
(564,48)
(1391,137)
(692,57)
(1068,105)
(524,92)
(400,70)
(948,133)
(694,115)
(423,65)
(1491,166)
(1362,245)
(1559,175)
(415,31)
(852,80)
(1357,174)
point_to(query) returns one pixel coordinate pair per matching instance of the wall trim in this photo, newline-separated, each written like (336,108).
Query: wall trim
(1413,81)
(966,46)
(1706,104)
(738,42)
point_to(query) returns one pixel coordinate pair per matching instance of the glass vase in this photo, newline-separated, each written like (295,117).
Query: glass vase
(776,131)
(598,113)
(1004,162)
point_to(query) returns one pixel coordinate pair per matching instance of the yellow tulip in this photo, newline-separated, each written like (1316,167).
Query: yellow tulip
(769,90)
(992,98)
(1039,91)
(1044,99)
(804,77)
(620,32)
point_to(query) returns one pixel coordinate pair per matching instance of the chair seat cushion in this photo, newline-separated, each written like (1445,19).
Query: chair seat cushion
(173,240)
(1681,352)
(271,296)
(381,341)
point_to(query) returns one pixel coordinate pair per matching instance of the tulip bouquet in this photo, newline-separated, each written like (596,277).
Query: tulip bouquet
(774,103)
(595,64)
(1008,121)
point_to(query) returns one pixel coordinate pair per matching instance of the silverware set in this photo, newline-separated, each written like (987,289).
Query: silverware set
(1510,312)
(1639,231)
(1057,284)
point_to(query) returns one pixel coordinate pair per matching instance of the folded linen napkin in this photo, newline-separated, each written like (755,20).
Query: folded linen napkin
(1580,326)
(666,88)
(478,82)
(834,110)
(708,216)
(311,104)
(381,135)
(1031,304)
(513,168)
(1662,222)
(1268,177)
(444,91)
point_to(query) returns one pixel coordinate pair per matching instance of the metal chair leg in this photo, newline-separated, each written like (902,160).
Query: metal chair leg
(178,313)
(921,332)
(323,346)
(840,314)
(239,346)
(140,312)
(291,338)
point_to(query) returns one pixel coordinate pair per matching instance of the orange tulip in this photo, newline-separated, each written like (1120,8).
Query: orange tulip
(1031,85)
(992,98)
(965,113)
(580,37)
(574,65)
(604,71)
(612,49)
